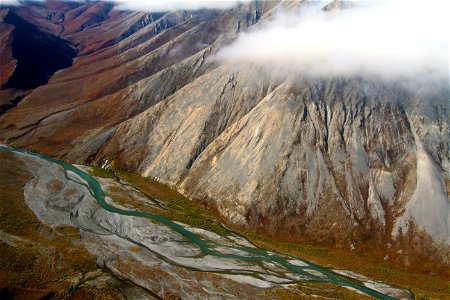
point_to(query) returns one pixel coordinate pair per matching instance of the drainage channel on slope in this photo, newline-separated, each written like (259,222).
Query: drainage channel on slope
(261,255)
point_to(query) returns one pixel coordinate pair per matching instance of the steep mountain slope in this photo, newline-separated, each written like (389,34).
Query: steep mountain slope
(116,73)
(351,162)
(7,65)
(56,31)
(38,54)
(29,56)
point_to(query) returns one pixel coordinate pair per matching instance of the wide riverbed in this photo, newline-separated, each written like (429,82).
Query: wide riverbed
(181,245)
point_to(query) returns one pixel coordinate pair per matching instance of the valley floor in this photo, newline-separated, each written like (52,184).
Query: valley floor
(62,236)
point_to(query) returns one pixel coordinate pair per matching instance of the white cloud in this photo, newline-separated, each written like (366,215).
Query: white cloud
(388,39)
(9,2)
(161,5)
(156,5)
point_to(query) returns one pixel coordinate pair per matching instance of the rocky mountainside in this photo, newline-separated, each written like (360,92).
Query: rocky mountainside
(350,162)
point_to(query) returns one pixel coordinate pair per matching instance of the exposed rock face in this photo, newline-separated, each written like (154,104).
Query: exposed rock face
(309,154)
(343,161)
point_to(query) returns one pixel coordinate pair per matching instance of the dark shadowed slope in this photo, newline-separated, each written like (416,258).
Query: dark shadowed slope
(38,54)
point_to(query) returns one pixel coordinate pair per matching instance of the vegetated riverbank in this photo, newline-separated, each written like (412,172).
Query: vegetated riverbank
(435,285)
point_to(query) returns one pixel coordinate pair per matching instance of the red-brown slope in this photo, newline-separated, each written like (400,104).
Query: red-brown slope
(7,61)
(39,54)
(94,13)
(38,26)
(113,84)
